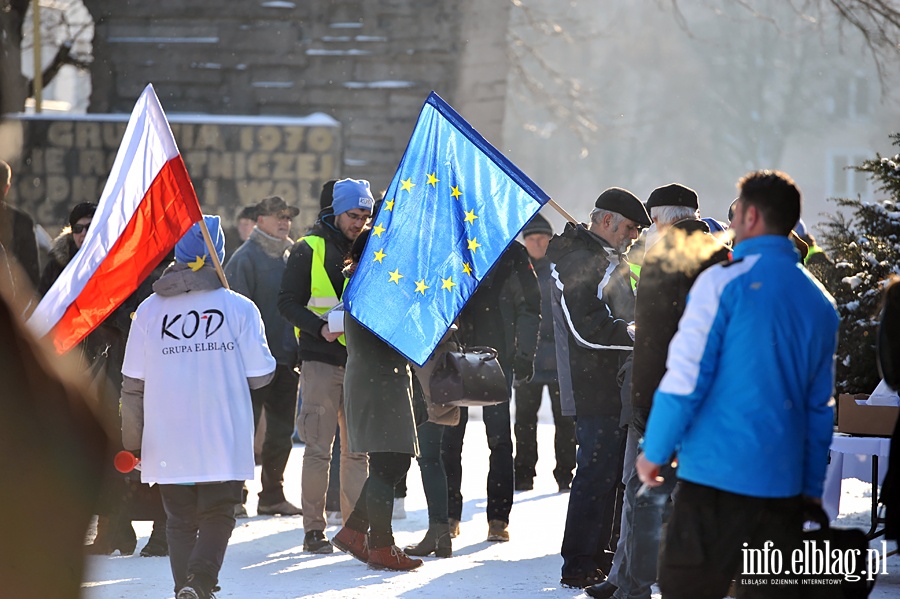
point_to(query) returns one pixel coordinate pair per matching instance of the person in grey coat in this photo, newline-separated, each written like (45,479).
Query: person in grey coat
(380,422)
(255,271)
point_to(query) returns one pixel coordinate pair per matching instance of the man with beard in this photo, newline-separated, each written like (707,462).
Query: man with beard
(313,283)
(593,314)
(683,248)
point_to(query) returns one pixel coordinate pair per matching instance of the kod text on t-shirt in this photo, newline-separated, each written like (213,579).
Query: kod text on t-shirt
(190,324)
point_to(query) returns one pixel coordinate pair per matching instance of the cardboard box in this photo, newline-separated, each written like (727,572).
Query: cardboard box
(856,419)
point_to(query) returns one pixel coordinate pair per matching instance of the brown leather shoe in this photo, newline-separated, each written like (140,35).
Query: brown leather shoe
(352,542)
(391,558)
(497,531)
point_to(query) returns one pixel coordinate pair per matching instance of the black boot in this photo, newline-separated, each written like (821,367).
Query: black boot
(157,545)
(437,540)
(113,533)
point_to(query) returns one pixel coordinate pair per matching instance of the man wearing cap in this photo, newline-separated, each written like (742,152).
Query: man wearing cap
(537,234)
(745,401)
(683,248)
(255,271)
(194,352)
(313,284)
(593,314)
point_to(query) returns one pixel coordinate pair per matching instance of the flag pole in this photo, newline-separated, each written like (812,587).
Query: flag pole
(213,254)
(562,211)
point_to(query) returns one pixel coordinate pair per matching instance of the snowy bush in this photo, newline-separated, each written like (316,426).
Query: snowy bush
(863,241)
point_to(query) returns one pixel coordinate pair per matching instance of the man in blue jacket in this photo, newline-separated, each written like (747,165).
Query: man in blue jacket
(745,402)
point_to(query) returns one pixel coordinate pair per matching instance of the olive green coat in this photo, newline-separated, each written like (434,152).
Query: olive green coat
(377,394)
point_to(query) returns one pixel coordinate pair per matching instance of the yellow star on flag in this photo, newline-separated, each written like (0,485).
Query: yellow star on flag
(455,192)
(379,255)
(470,216)
(389,204)
(407,185)
(448,284)
(421,286)
(395,276)
(198,263)
(432,180)
(473,244)
(378,230)
(467,269)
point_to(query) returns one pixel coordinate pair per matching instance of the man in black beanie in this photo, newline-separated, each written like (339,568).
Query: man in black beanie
(593,313)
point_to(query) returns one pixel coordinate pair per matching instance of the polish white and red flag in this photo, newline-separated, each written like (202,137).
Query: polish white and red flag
(147,205)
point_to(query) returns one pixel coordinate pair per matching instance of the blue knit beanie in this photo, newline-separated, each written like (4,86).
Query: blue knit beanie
(192,246)
(352,193)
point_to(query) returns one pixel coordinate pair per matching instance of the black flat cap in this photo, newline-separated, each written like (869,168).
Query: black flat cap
(622,201)
(673,194)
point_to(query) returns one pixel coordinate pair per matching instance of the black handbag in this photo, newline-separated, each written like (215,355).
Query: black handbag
(842,541)
(469,377)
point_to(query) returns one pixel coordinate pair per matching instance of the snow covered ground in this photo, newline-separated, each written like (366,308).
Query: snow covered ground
(265,557)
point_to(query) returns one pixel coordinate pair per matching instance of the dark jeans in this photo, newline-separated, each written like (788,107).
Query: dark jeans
(200,521)
(372,512)
(706,535)
(589,519)
(635,566)
(434,477)
(528,402)
(500,475)
(280,400)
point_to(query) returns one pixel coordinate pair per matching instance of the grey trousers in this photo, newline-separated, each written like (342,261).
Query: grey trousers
(635,564)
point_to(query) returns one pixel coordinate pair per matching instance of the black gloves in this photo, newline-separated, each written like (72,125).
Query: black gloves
(523,368)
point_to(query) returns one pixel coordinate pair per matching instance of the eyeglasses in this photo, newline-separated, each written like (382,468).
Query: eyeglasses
(283,216)
(79,229)
(360,218)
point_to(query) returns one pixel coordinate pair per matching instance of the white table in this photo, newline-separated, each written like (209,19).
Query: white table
(865,458)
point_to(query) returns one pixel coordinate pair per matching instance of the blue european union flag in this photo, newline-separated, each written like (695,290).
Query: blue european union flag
(453,207)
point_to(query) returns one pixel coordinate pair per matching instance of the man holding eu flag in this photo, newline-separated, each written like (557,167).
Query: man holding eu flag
(593,318)
(313,283)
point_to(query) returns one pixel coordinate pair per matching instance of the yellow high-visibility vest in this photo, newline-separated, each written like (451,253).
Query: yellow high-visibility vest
(635,275)
(322,296)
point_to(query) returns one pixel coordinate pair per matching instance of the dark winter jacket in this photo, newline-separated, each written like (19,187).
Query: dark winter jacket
(670,268)
(295,291)
(545,357)
(17,236)
(377,395)
(255,271)
(505,313)
(593,303)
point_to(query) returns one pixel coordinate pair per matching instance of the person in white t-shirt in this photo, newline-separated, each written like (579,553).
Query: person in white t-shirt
(194,352)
